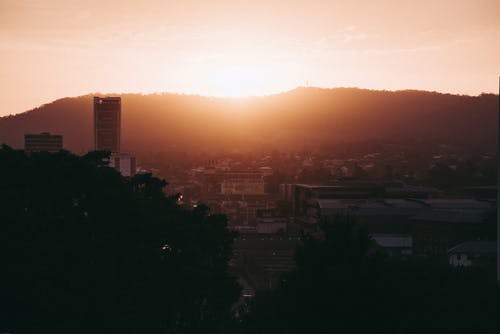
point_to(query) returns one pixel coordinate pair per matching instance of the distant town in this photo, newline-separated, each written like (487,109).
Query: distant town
(249,167)
(438,204)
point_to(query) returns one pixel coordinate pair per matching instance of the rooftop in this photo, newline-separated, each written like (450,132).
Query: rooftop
(393,240)
(450,217)
(474,247)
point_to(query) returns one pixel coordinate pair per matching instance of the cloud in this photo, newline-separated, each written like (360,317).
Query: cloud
(354,37)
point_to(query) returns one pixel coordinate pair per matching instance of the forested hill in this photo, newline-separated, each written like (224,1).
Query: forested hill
(304,116)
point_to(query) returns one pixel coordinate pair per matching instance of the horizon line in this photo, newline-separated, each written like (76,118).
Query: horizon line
(236,98)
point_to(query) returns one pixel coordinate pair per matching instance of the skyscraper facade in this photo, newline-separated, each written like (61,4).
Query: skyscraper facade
(107,123)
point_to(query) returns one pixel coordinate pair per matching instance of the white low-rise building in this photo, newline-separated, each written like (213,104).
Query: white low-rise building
(124,163)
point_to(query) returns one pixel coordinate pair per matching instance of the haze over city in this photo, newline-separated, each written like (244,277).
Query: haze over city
(53,49)
(254,167)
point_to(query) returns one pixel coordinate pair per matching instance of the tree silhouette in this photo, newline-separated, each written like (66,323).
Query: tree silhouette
(84,249)
(344,284)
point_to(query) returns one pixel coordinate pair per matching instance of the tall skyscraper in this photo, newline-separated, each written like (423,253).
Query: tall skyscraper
(107,123)
(43,142)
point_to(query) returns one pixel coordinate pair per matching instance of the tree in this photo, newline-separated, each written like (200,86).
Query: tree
(84,249)
(342,284)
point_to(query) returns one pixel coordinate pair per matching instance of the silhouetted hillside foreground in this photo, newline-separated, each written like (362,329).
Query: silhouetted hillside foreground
(342,284)
(312,116)
(85,250)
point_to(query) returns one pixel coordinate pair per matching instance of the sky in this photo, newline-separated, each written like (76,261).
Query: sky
(56,48)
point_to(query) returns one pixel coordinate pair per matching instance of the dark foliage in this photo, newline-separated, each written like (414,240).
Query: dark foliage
(84,249)
(344,285)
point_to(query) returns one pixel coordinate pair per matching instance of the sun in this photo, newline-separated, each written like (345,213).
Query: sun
(239,81)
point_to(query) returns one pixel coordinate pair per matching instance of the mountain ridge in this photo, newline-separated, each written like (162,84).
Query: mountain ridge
(303,116)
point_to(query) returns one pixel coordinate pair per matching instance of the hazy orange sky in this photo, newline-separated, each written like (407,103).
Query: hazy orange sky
(51,49)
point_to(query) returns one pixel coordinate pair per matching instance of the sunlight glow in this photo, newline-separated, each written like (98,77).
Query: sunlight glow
(237,49)
(239,81)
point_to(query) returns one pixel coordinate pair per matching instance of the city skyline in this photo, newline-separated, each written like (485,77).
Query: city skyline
(56,49)
(244,167)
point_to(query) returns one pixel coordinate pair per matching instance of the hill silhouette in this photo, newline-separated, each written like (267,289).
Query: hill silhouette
(304,116)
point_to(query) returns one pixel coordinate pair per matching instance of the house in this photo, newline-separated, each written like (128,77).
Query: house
(473,253)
